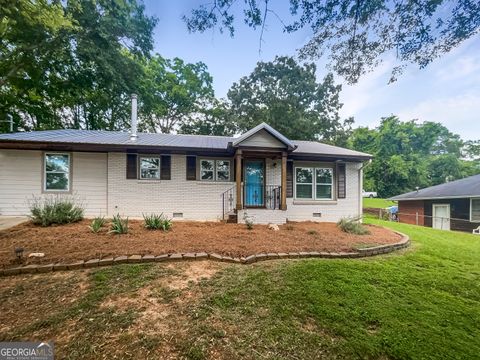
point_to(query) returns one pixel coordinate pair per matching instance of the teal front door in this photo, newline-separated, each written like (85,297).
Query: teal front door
(254,179)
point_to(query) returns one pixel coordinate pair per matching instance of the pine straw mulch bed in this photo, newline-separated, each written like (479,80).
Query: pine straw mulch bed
(73,242)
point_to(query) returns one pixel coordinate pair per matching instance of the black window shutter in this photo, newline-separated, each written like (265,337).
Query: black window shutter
(191,167)
(131,166)
(289,179)
(341,182)
(165,167)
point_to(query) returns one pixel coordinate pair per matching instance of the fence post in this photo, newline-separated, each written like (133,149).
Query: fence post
(380,214)
(416,218)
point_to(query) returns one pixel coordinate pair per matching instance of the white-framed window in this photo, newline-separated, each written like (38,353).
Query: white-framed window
(475,210)
(149,167)
(57,172)
(207,170)
(323,183)
(214,170)
(304,183)
(223,170)
(313,183)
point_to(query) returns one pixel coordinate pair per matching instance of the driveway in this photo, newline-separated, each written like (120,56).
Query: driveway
(9,221)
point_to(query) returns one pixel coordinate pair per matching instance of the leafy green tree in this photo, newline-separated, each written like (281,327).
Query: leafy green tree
(70,63)
(287,96)
(409,155)
(472,150)
(356,34)
(173,93)
(213,118)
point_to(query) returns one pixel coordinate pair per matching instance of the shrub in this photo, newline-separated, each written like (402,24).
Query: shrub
(157,222)
(119,225)
(49,210)
(312,232)
(352,226)
(97,224)
(289,227)
(248,221)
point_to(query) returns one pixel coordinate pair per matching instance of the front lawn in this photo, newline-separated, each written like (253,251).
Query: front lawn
(377,203)
(421,303)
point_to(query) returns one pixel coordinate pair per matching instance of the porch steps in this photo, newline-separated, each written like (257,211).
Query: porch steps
(232,219)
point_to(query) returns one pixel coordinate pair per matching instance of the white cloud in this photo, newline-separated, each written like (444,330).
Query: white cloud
(460,113)
(466,68)
(369,89)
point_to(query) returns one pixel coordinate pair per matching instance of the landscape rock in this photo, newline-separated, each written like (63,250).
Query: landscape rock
(36,255)
(273,227)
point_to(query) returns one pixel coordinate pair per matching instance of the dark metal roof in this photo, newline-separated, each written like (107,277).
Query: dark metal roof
(463,188)
(119,138)
(178,141)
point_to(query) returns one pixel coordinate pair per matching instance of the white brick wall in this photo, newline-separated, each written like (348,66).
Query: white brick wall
(331,211)
(197,200)
(94,173)
(21,180)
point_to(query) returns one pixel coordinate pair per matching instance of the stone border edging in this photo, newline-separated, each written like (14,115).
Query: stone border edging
(135,259)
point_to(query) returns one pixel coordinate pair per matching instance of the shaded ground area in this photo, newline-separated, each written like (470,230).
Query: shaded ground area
(414,304)
(68,243)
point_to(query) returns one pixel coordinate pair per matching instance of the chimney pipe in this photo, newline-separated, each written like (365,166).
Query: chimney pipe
(133,131)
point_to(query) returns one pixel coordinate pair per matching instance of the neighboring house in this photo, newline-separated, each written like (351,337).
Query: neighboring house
(451,206)
(261,173)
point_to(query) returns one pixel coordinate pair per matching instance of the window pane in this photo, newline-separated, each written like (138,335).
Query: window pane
(324,176)
(324,191)
(223,165)
(150,173)
(56,181)
(304,191)
(207,165)
(56,162)
(149,163)
(475,209)
(223,176)
(206,175)
(223,170)
(304,175)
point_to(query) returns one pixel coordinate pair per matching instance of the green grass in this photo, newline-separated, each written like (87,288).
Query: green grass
(412,305)
(377,203)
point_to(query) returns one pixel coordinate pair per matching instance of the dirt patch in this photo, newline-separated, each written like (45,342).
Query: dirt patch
(23,301)
(73,242)
(194,272)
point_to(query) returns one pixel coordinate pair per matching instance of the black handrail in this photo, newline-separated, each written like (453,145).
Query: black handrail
(258,195)
(228,201)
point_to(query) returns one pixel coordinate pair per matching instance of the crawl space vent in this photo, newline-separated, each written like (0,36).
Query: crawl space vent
(178,215)
(317,214)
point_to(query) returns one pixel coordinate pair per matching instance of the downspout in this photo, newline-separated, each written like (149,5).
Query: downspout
(360,188)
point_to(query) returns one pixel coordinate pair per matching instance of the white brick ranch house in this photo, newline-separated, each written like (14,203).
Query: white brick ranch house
(191,177)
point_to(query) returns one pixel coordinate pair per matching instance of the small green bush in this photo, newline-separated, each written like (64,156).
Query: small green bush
(49,210)
(97,224)
(352,226)
(312,232)
(119,225)
(157,222)
(248,221)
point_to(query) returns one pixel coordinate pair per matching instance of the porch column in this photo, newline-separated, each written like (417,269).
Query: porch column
(283,202)
(238,178)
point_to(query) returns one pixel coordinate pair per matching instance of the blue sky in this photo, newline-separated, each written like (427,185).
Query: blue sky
(448,91)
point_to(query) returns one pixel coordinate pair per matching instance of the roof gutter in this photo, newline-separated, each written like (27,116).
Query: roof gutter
(435,198)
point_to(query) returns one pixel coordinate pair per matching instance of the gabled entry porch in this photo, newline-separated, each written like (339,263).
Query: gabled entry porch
(260,183)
